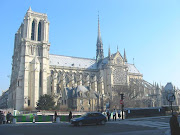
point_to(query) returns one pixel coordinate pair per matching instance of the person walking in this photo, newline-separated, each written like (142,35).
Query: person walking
(119,114)
(107,114)
(55,116)
(70,116)
(174,124)
(114,115)
(8,118)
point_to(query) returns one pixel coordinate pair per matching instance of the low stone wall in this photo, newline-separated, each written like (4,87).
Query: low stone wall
(144,112)
(41,118)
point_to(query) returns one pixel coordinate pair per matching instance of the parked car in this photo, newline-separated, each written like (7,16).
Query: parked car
(90,118)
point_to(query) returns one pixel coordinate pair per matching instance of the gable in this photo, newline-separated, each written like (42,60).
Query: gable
(118,59)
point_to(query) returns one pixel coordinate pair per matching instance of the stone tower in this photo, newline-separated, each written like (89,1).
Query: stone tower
(30,68)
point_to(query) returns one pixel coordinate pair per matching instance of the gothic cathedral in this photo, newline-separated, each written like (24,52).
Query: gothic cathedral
(80,84)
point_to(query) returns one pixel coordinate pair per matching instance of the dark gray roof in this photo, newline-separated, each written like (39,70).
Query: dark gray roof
(67,61)
(168,87)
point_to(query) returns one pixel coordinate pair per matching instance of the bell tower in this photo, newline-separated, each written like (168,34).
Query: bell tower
(36,26)
(32,41)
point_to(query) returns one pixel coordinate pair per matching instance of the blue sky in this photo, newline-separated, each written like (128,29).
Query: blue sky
(149,30)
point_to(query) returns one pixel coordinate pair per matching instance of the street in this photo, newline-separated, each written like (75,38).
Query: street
(138,126)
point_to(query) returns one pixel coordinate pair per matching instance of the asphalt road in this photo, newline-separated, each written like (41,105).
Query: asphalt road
(148,126)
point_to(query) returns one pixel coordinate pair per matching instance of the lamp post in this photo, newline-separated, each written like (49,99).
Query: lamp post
(122,104)
(171,98)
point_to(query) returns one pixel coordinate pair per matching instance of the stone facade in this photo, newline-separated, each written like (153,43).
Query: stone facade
(81,84)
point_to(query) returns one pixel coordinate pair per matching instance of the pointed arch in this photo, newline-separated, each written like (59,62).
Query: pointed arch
(39,31)
(33,30)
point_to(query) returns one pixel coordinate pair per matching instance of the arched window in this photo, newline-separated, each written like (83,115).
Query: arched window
(32,30)
(39,31)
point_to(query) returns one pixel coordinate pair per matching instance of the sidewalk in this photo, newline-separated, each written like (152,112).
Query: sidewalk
(36,123)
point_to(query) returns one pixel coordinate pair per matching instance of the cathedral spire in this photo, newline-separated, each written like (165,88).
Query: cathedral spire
(30,9)
(99,45)
(99,32)
(125,59)
(109,53)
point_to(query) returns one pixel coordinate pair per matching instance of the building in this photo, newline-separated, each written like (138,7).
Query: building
(77,83)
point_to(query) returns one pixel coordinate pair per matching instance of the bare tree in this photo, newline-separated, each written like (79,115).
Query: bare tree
(136,94)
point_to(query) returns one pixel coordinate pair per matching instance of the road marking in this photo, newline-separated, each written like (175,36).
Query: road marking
(159,125)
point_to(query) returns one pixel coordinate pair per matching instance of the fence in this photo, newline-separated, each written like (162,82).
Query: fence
(42,118)
(144,112)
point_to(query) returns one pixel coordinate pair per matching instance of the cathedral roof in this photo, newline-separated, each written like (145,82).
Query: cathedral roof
(67,61)
(132,69)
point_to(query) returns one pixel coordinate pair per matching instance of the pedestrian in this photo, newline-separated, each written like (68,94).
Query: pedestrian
(114,115)
(174,124)
(70,116)
(34,118)
(107,114)
(119,114)
(55,116)
(8,118)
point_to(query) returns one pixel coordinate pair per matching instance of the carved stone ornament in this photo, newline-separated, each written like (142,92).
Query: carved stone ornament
(25,100)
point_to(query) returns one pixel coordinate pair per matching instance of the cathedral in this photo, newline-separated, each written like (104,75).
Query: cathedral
(80,84)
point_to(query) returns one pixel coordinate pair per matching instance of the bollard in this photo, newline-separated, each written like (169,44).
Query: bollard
(34,119)
(14,120)
(57,120)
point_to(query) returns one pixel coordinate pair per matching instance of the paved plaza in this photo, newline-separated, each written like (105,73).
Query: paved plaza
(138,126)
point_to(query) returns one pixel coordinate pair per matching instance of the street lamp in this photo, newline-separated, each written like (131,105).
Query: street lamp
(122,103)
(170,98)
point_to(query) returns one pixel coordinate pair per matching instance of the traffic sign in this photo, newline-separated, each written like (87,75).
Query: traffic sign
(121,102)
